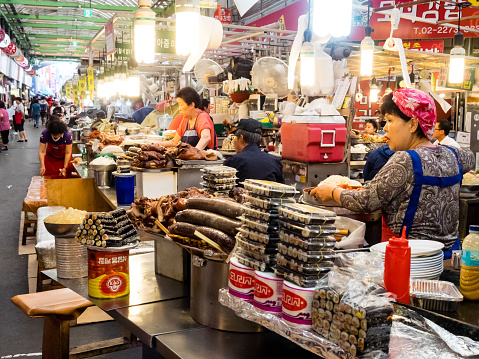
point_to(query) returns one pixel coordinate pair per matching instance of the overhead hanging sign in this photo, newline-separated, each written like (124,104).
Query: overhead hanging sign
(434,46)
(110,37)
(91,81)
(68,89)
(226,17)
(122,51)
(469,75)
(90,55)
(82,86)
(165,42)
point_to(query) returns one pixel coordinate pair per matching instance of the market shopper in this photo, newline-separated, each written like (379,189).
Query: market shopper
(418,188)
(376,160)
(441,134)
(4,125)
(196,127)
(35,112)
(371,127)
(43,110)
(19,120)
(55,150)
(249,160)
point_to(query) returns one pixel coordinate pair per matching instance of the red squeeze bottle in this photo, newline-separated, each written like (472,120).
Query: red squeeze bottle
(397,267)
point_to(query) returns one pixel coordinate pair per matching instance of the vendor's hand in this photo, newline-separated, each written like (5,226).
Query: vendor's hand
(323,192)
(42,170)
(63,172)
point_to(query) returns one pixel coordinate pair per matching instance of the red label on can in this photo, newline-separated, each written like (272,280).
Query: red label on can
(262,290)
(113,284)
(241,279)
(292,301)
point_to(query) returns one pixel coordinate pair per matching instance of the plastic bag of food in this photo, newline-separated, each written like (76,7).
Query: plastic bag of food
(357,231)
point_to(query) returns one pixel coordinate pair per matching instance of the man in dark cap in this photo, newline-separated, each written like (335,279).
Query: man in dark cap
(249,160)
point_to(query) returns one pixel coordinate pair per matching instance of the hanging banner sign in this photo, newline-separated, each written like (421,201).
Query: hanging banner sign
(469,75)
(76,97)
(208,4)
(82,87)
(68,89)
(434,46)
(91,81)
(165,42)
(226,17)
(110,37)
(122,51)
(90,55)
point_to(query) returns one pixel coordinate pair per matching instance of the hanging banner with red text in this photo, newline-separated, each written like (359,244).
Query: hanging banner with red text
(434,46)
(110,37)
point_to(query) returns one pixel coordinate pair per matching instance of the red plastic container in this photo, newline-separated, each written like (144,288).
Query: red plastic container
(397,267)
(313,142)
(359,124)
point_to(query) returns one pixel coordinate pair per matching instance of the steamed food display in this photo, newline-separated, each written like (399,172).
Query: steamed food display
(470,179)
(68,216)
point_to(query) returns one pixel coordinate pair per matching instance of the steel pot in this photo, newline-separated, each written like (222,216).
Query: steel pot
(207,278)
(76,134)
(86,131)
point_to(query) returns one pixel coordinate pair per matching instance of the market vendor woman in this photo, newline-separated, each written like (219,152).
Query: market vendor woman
(55,150)
(418,188)
(195,126)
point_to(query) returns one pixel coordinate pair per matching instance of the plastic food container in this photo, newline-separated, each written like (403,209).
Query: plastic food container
(258,236)
(301,267)
(305,256)
(265,202)
(301,279)
(268,259)
(260,214)
(218,187)
(308,231)
(251,262)
(435,295)
(220,171)
(308,244)
(307,214)
(219,180)
(253,246)
(269,189)
(258,225)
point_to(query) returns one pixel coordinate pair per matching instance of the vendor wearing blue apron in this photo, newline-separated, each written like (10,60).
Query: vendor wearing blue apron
(418,188)
(196,127)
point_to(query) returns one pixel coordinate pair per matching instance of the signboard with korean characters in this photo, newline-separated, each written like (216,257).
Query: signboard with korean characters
(434,46)
(91,81)
(68,89)
(122,51)
(165,42)
(82,87)
(469,76)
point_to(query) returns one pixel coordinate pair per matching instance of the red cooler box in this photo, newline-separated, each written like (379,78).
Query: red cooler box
(314,138)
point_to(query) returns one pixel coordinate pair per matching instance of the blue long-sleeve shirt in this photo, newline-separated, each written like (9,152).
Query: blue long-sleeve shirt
(376,160)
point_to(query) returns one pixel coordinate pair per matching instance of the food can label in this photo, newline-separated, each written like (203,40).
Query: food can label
(470,258)
(297,308)
(241,284)
(268,298)
(108,274)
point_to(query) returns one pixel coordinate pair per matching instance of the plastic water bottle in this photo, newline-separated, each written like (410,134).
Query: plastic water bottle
(397,267)
(469,282)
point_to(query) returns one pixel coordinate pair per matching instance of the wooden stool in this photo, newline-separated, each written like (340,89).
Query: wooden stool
(58,307)
(27,218)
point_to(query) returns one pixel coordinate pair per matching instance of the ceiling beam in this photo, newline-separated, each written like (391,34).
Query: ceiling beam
(41,42)
(58,58)
(57,4)
(62,26)
(56,48)
(48,36)
(63,18)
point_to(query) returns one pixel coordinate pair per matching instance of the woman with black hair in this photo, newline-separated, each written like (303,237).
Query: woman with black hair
(194,125)
(371,127)
(4,125)
(418,188)
(55,150)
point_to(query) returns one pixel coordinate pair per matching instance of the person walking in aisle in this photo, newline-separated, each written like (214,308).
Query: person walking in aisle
(43,110)
(35,112)
(19,120)
(4,125)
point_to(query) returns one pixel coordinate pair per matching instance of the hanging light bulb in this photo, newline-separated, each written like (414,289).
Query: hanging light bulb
(373,91)
(128,103)
(457,60)
(332,17)
(308,64)
(133,85)
(123,90)
(367,49)
(117,85)
(145,33)
(187,26)
(100,87)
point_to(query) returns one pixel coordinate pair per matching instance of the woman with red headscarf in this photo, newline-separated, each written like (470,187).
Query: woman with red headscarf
(418,188)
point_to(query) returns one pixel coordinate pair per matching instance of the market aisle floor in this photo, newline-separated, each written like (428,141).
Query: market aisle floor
(20,336)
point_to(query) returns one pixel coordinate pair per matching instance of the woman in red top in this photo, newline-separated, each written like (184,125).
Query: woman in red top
(55,150)
(196,127)
(4,125)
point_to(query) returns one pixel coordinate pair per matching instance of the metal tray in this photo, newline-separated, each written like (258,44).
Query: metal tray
(435,295)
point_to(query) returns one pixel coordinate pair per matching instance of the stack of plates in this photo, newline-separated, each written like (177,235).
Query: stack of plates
(427,258)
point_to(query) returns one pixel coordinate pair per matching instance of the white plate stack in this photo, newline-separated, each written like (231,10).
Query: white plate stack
(427,258)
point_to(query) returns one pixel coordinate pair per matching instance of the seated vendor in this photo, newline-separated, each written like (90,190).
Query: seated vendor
(55,150)
(371,127)
(249,160)
(196,127)
(418,188)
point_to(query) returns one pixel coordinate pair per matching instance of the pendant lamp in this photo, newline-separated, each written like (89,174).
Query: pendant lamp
(145,32)
(457,56)
(187,26)
(367,49)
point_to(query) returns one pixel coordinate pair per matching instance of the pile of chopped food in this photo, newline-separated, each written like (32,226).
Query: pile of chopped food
(373,138)
(470,179)
(67,216)
(341,181)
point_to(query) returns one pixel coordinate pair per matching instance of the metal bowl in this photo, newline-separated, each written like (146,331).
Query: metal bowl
(358,156)
(62,230)
(107,168)
(308,199)
(469,188)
